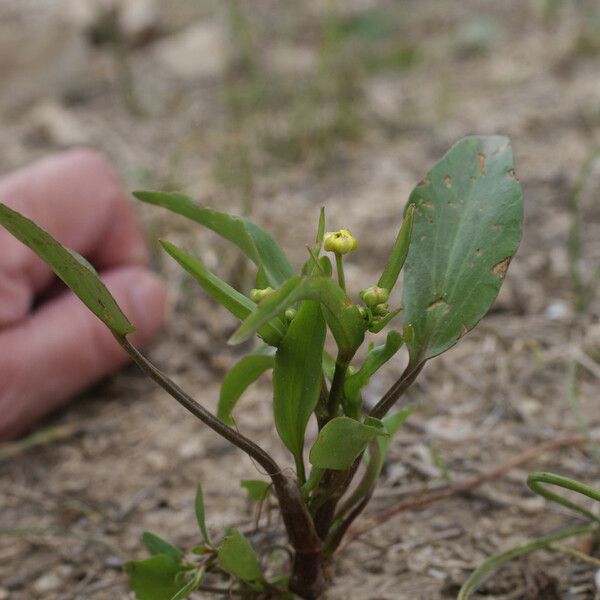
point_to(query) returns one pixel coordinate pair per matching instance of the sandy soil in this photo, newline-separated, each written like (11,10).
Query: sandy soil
(257,111)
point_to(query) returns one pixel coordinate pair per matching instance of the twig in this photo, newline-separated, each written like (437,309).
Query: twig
(465,486)
(45,436)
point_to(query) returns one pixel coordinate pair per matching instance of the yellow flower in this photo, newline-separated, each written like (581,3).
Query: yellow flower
(340,242)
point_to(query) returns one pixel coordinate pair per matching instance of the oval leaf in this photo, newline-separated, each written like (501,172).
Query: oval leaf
(156,545)
(466,229)
(237,557)
(240,376)
(257,489)
(253,241)
(154,578)
(70,267)
(297,375)
(341,441)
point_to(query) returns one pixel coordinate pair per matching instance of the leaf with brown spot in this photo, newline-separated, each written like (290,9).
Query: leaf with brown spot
(464,236)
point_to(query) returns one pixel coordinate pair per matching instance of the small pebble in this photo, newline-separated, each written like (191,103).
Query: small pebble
(49,582)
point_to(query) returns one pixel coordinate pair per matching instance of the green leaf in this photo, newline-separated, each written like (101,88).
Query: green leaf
(237,557)
(341,441)
(70,267)
(240,376)
(343,318)
(236,303)
(154,578)
(466,229)
(156,545)
(297,375)
(253,241)
(257,490)
(190,586)
(376,358)
(399,252)
(201,514)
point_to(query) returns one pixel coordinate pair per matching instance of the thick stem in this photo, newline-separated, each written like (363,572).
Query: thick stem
(333,540)
(307,575)
(298,521)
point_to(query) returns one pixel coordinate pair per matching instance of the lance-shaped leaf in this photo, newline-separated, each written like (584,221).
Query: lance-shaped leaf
(343,318)
(341,441)
(239,377)
(253,241)
(154,578)
(237,557)
(297,376)
(399,252)
(466,229)
(70,267)
(201,513)
(236,303)
(376,358)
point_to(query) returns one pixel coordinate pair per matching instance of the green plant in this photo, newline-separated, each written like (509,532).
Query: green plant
(538,482)
(461,227)
(584,290)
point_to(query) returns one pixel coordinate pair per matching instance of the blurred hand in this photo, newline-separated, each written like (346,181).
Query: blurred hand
(51,346)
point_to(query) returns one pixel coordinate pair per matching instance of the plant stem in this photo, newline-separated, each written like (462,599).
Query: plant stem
(391,396)
(307,577)
(230,434)
(575,554)
(498,560)
(340,271)
(337,385)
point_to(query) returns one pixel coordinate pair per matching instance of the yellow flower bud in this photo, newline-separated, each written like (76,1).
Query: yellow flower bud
(381,310)
(258,295)
(340,242)
(374,295)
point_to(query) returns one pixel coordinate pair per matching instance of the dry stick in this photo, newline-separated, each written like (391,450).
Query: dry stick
(465,486)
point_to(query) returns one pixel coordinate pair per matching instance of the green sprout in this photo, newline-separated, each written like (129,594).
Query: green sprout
(461,228)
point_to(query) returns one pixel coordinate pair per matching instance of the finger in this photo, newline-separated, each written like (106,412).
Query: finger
(77,197)
(63,348)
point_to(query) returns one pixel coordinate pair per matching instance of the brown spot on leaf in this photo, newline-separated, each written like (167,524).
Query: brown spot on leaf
(511,173)
(482,163)
(478,252)
(464,330)
(448,181)
(428,204)
(495,226)
(501,149)
(423,181)
(437,303)
(501,268)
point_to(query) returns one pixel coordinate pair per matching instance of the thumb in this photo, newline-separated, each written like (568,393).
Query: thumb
(62,348)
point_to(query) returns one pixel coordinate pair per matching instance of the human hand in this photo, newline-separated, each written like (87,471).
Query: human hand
(51,346)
